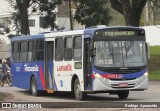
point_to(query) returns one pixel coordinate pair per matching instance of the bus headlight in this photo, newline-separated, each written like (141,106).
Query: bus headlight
(146,74)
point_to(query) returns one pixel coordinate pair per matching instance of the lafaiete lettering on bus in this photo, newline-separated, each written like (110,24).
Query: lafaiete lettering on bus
(64,68)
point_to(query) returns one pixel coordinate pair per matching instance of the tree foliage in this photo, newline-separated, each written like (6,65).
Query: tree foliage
(48,7)
(130,9)
(45,8)
(92,12)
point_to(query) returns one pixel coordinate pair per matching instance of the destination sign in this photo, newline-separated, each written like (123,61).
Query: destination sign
(119,32)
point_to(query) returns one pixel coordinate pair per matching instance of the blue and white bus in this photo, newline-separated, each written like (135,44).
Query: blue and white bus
(95,60)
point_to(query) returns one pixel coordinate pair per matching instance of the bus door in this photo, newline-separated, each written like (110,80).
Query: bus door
(49,54)
(87,64)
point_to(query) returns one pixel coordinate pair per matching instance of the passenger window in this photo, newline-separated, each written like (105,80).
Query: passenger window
(32,45)
(24,46)
(15,47)
(77,52)
(68,48)
(15,50)
(23,51)
(59,49)
(40,50)
(31,51)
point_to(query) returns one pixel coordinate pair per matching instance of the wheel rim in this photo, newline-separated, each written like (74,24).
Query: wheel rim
(33,87)
(78,90)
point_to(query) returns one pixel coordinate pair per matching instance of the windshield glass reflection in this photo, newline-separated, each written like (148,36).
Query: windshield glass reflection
(120,53)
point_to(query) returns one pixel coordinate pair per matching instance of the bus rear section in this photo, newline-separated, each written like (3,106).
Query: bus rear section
(28,64)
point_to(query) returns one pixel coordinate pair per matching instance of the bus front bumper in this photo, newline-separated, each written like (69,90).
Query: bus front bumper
(138,84)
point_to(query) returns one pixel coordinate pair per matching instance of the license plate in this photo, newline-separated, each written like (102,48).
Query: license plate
(123,85)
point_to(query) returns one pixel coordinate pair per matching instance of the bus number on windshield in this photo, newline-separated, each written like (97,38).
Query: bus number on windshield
(105,62)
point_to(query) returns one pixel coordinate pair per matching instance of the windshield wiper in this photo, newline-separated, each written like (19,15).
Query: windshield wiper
(127,50)
(111,51)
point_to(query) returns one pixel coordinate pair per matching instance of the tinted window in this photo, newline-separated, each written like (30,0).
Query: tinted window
(23,57)
(40,45)
(24,46)
(78,42)
(59,49)
(15,47)
(77,52)
(15,57)
(32,45)
(15,54)
(31,56)
(40,55)
(68,42)
(68,48)
(59,43)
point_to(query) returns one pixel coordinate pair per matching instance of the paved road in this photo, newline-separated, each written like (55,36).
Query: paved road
(21,95)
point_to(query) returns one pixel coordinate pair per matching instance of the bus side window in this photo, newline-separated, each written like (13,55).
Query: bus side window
(59,49)
(23,51)
(15,50)
(68,48)
(40,50)
(77,52)
(31,50)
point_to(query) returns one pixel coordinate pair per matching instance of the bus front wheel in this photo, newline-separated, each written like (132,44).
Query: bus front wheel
(34,87)
(123,94)
(79,95)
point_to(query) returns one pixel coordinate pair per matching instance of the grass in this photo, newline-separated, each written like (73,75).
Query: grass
(154,63)
(154,75)
(155,50)
(2,96)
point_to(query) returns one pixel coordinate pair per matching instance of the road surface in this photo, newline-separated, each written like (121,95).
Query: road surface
(21,95)
(93,100)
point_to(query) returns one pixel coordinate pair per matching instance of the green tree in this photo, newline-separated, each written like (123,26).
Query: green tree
(92,12)
(44,7)
(130,9)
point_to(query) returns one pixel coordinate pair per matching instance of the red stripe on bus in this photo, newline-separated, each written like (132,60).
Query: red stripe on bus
(42,78)
(109,76)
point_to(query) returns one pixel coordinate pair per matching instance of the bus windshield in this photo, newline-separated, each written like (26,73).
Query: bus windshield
(120,53)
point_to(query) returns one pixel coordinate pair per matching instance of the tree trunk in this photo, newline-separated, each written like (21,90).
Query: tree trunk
(23,8)
(131,11)
(70,15)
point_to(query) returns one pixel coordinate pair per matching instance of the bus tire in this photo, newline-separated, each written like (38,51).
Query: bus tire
(123,94)
(34,87)
(79,95)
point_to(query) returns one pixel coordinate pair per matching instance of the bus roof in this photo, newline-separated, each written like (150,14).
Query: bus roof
(86,32)
(27,37)
(65,33)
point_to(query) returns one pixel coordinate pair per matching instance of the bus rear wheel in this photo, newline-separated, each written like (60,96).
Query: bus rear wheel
(34,87)
(79,95)
(123,94)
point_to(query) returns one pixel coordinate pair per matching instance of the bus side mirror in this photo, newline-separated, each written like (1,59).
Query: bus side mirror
(148,50)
